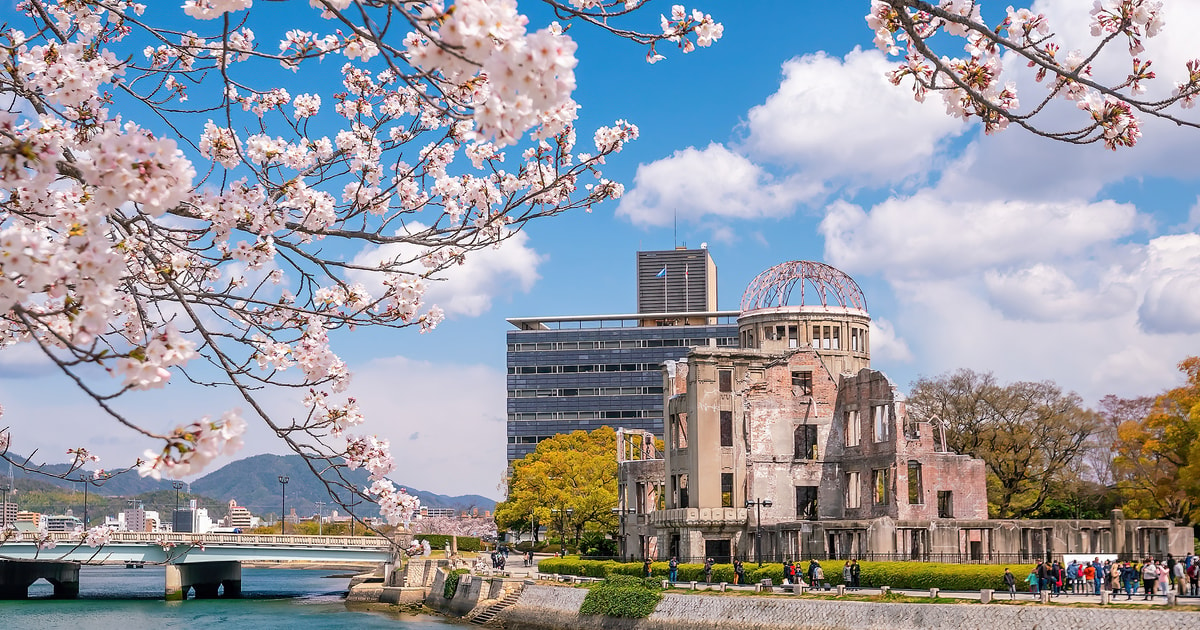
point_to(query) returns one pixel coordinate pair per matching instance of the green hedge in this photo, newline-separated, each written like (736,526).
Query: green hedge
(451,584)
(914,575)
(622,596)
(439,541)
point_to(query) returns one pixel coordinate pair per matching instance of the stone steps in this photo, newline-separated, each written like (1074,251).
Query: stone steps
(490,612)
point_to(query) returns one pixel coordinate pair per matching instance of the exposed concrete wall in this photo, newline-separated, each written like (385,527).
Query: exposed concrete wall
(547,607)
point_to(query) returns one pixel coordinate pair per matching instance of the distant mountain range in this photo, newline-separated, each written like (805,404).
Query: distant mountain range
(254,483)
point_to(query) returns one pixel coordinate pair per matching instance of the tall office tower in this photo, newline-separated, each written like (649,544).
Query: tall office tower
(567,373)
(676,281)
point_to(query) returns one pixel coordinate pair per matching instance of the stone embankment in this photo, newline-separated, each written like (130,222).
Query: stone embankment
(542,607)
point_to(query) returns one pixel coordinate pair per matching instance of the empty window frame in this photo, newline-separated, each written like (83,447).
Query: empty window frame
(727,490)
(916,493)
(683,491)
(805,442)
(882,483)
(945,504)
(725,380)
(853,491)
(806,502)
(802,383)
(853,428)
(726,428)
(679,438)
(882,423)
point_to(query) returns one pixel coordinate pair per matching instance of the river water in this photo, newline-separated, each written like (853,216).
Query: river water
(130,599)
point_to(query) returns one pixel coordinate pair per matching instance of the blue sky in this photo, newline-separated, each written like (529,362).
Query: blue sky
(1006,253)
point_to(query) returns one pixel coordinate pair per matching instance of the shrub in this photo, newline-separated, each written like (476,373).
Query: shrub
(451,584)
(622,596)
(438,541)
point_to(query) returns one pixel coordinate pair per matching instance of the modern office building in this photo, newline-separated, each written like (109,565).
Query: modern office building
(568,373)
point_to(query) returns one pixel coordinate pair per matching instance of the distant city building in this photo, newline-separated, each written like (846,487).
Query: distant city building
(154,522)
(8,514)
(568,373)
(37,519)
(63,523)
(135,519)
(428,512)
(238,516)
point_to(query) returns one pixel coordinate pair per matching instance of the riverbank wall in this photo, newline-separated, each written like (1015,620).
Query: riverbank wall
(543,607)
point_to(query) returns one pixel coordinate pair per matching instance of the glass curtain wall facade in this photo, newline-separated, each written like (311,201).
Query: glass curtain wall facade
(581,374)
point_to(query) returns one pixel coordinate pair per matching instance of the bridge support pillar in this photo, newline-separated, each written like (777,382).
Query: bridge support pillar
(205,578)
(17,575)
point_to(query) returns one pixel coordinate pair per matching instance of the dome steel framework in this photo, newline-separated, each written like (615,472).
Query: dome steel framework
(774,287)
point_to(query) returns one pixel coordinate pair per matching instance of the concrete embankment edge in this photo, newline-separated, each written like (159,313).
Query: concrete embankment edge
(551,608)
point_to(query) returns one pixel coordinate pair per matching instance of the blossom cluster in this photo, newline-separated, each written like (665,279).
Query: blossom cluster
(190,448)
(98,536)
(973,86)
(232,222)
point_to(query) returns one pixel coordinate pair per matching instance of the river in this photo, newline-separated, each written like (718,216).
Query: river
(131,599)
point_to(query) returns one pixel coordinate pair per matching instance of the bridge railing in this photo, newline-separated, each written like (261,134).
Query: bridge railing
(241,540)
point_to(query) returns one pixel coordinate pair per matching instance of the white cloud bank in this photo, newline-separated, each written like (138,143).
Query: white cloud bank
(831,122)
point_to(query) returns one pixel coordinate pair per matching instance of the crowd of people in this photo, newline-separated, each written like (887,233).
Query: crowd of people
(1153,577)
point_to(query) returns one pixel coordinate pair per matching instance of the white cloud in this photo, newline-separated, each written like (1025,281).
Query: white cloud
(1172,273)
(925,236)
(885,345)
(842,118)
(467,289)
(1046,293)
(711,181)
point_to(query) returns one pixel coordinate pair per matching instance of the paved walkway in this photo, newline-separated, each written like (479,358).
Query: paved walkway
(516,567)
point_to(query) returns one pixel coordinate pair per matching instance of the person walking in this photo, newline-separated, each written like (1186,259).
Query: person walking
(1149,578)
(1163,578)
(789,572)
(646,568)
(1179,578)
(1097,575)
(739,572)
(708,565)
(847,574)
(1073,576)
(812,572)
(1089,575)
(855,574)
(1034,582)
(1010,581)
(673,570)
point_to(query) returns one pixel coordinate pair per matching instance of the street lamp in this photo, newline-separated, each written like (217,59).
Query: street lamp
(758,504)
(283,482)
(621,513)
(178,485)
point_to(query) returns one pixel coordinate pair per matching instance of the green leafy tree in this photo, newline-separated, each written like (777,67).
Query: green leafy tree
(568,484)
(1031,435)
(1158,456)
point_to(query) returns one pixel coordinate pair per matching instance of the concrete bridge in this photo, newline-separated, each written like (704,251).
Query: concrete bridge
(203,562)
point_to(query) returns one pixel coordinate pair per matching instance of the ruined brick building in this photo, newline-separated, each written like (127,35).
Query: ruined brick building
(792,435)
